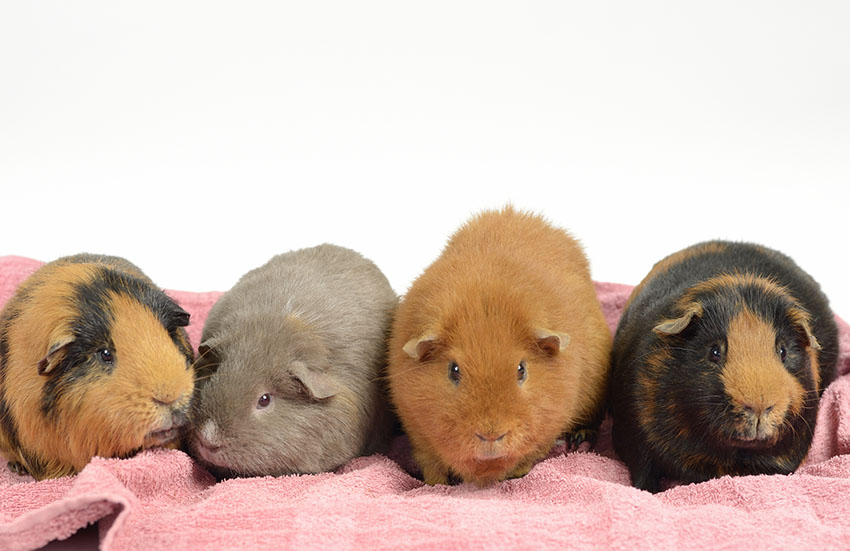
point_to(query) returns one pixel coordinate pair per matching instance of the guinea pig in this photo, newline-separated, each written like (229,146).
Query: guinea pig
(290,367)
(719,361)
(498,349)
(94,360)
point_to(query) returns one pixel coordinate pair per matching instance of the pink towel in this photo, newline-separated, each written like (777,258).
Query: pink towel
(161,499)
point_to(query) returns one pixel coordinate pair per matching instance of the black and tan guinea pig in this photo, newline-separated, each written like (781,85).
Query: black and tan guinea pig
(94,360)
(719,362)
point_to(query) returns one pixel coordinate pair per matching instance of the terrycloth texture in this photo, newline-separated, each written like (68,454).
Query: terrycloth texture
(162,500)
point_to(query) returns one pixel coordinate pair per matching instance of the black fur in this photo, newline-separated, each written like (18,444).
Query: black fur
(4,352)
(11,313)
(8,424)
(689,374)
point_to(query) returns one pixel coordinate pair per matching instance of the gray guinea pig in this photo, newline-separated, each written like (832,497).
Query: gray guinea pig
(291,360)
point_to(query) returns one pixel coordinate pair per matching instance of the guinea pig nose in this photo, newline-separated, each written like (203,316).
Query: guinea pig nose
(757,410)
(211,446)
(178,417)
(489,437)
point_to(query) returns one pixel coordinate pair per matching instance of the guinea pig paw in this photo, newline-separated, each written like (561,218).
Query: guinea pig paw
(434,478)
(576,438)
(521,470)
(454,479)
(18,468)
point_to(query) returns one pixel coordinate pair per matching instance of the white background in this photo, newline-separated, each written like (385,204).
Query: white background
(199,138)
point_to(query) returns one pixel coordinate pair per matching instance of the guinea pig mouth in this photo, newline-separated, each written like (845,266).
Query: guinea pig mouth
(751,443)
(167,430)
(485,455)
(493,468)
(208,455)
(162,436)
(490,453)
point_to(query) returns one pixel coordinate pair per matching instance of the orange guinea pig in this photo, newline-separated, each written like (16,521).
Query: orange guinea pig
(497,349)
(94,360)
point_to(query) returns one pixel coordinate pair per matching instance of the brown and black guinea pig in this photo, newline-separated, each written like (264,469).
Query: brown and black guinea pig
(94,360)
(719,362)
(497,349)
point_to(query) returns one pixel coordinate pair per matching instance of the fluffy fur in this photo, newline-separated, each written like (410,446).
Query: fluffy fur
(94,360)
(719,361)
(497,349)
(294,353)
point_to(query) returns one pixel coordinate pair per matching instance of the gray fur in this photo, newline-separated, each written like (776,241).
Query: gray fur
(319,315)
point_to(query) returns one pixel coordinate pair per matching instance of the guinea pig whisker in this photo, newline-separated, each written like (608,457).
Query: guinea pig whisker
(644,355)
(201,356)
(211,365)
(806,421)
(788,425)
(716,399)
(203,377)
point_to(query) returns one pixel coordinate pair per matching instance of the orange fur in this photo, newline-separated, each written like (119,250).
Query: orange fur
(760,388)
(99,414)
(648,398)
(735,280)
(502,279)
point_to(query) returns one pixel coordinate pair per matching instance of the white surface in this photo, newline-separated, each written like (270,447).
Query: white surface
(198,139)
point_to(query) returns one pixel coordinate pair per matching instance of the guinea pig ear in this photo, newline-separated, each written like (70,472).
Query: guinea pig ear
(318,385)
(677,325)
(178,317)
(206,348)
(55,354)
(809,339)
(551,342)
(422,348)
(207,361)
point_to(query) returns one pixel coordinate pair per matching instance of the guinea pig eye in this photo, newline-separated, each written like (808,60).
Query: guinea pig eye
(521,372)
(454,373)
(105,355)
(782,352)
(264,401)
(714,354)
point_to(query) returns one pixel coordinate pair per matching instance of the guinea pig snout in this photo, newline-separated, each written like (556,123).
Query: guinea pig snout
(760,389)
(168,422)
(490,444)
(208,442)
(208,436)
(490,436)
(168,400)
(173,418)
(760,405)
(179,417)
(173,411)
(758,422)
